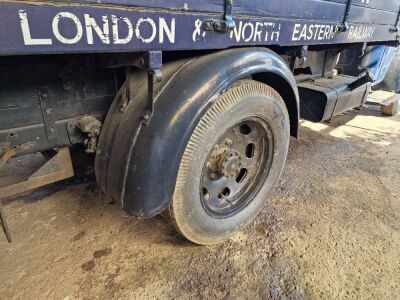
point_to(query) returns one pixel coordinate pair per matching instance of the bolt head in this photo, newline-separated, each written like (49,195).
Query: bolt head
(146,116)
(228,142)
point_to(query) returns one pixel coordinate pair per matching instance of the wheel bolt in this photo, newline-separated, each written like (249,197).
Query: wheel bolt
(228,142)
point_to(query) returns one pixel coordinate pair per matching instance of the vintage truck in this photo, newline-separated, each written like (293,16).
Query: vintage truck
(187,106)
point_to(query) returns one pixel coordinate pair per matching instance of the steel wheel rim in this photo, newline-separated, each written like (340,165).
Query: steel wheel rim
(236,167)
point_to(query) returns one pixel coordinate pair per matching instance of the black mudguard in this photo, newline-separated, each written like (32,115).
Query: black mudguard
(138,164)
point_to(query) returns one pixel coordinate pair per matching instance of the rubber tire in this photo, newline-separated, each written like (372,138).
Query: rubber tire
(247,98)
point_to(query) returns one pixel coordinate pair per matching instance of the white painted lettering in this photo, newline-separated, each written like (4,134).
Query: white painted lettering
(296,31)
(153,30)
(115,30)
(249,37)
(303,34)
(268,26)
(26,32)
(316,31)
(168,31)
(56,30)
(257,32)
(360,32)
(321,33)
(91,24)
(237,32)
(312,32)
(326,32)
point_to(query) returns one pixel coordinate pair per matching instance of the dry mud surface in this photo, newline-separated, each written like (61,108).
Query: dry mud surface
(331,230)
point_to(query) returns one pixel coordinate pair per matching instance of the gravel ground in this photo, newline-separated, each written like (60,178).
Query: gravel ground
(330,230)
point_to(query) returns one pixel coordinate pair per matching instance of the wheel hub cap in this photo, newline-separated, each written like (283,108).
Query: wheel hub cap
(235,167)
(225,162)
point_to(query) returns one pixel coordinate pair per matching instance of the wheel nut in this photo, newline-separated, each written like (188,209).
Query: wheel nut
(228,142)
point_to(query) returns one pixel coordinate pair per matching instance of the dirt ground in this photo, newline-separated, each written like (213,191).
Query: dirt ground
(330,230)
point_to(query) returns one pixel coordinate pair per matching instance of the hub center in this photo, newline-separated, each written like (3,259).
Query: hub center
(225,162)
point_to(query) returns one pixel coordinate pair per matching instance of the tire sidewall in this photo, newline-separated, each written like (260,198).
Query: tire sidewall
(202,227)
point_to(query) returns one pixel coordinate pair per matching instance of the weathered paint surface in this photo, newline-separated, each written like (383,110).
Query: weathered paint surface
(361,11)
(35,29)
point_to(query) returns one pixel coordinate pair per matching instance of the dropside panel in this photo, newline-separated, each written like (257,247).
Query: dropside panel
(48,28)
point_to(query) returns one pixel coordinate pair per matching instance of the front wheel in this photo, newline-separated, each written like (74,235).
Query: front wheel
(231,163)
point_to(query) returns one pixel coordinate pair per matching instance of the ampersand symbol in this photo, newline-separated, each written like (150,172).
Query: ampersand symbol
(197,31)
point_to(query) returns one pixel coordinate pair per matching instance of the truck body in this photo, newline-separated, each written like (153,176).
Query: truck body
(133,80)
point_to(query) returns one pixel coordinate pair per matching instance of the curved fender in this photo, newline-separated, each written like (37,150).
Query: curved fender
(147,183)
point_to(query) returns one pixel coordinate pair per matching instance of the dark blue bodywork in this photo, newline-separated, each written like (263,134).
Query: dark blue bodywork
(128,26)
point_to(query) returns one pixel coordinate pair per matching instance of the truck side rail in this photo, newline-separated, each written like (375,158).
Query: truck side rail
(48,28)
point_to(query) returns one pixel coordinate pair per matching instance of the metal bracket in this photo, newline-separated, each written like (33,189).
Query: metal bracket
(152,62)
(224,25)
(47,110)
(395,28)
(345,26)
(153,76)
(57,168)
